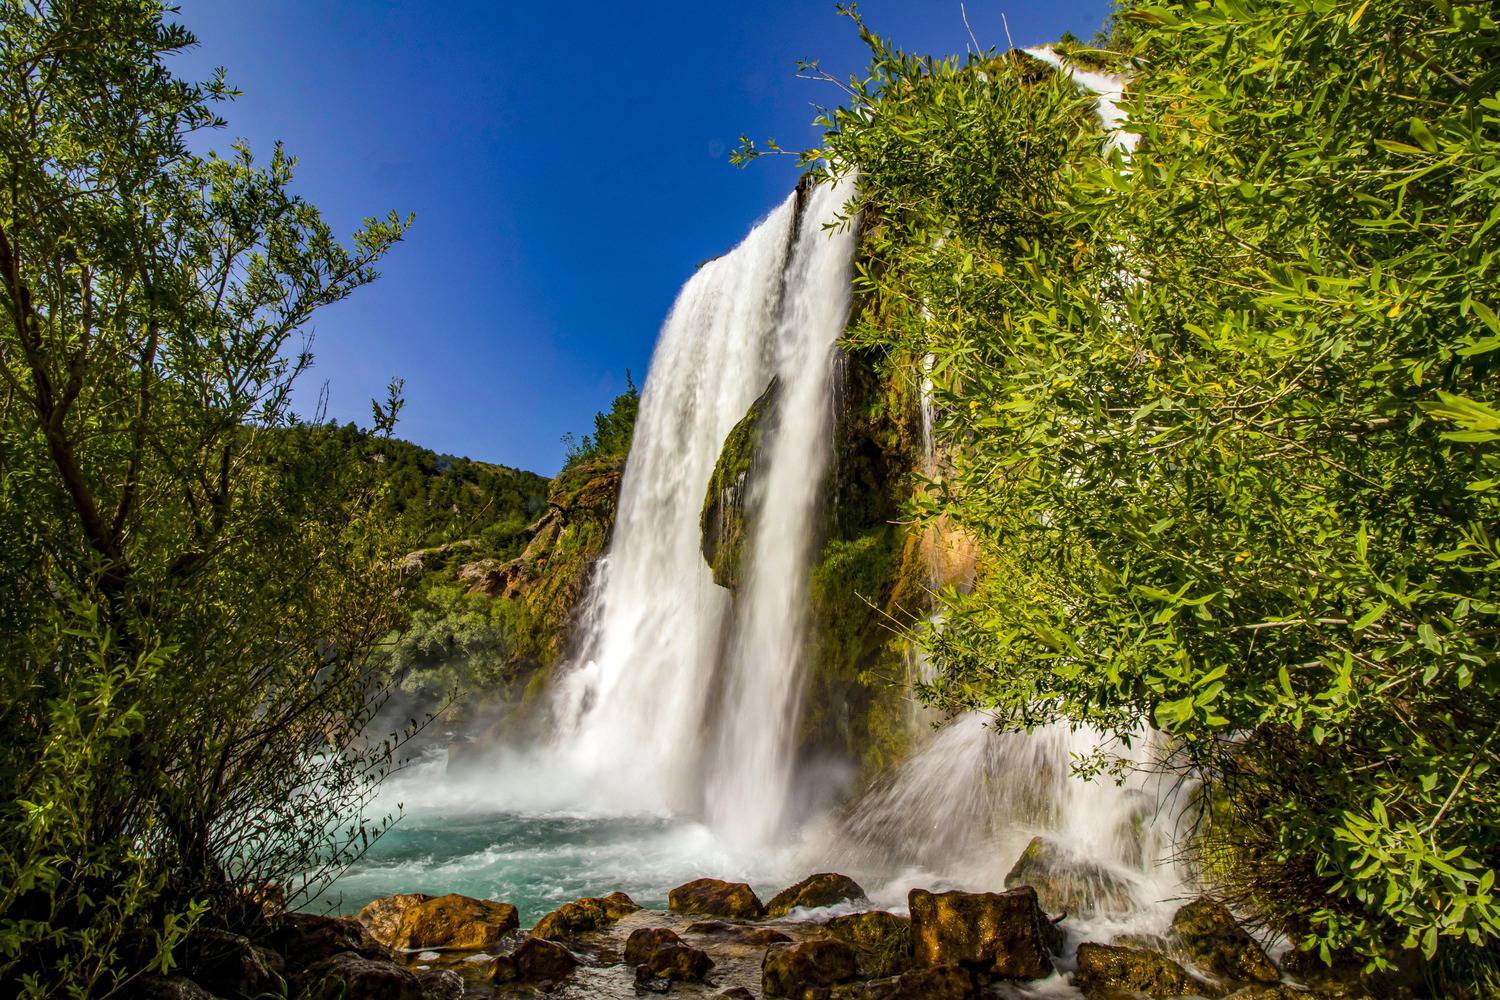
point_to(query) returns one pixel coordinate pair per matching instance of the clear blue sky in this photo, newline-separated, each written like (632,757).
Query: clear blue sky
(567,164)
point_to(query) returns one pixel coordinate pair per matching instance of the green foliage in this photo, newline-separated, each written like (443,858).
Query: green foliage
(1223,417)
(612,430)
(187,598)
(455,641)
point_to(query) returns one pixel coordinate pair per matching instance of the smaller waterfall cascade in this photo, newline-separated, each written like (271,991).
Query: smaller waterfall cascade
(750,782)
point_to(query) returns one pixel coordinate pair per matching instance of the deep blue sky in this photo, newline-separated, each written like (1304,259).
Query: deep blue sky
(567,164)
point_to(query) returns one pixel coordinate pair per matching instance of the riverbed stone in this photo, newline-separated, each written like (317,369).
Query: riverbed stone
(1065,883)
(1207,933)
(741,933)
(795,970)
(440,984)
(883,940)
(823,889)
(1280,991)
(306,938)
(946,982)
(1111,972)
(535,960)
(658,954)
(416,921)
(350,975)
(712,897)
(1003,934)
(584,915)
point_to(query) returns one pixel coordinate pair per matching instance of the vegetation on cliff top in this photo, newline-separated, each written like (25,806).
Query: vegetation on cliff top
(1223,417)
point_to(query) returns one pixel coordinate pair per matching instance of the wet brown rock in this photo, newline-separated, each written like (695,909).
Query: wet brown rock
(1068,884)
(440,984)
(228,964)
(713,897)
(736,993)
(535,961)
(794,970)
(947,982)
(1004,934)
(824,889)
(415,921)
(169,988)
(1280,991)
(1208,934)
(306,938)
(1107,972)
(351,975)
(743,933)
(584,915)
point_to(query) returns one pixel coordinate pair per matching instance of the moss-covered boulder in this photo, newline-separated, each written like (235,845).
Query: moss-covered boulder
(948,982)
(882,939)
(712,897)
(1110,972)
(1065,883)
(584,915)
(1003,934)
(723,522)
(1207,933)
(414,921)
(535,961)
(791,970)
(823,889)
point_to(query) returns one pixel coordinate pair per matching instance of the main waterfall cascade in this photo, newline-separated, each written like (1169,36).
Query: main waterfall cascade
(677,720)
(661,641)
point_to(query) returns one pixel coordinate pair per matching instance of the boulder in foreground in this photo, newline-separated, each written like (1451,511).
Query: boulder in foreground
(351,975)
(1107,971)
(661,958)
(415,921)
(1208,934)
(793,970)
(947,982)
(535,961)
(584,915)
(824,889)
(716,898)
(1001,934)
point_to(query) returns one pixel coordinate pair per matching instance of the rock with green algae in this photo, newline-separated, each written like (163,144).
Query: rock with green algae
(795,970)
(1207,933)
(823,889)
(659,955)
(947,982)
(712,897)
(1111,972)
(882,939)
(584,915)
(722,521)
(1065,883)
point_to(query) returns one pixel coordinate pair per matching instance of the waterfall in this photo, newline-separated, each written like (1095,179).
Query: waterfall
(660,640)
(631,711)
(752,773)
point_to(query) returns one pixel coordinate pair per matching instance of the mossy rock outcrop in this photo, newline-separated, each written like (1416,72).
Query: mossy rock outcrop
(882,939)
(723,521)
(1000,934)
(712,897)
(1113,972)
(794,970)
(1208,934)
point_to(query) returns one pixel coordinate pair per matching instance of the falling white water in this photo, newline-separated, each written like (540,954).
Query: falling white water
(1108,92)
(750,782)
(630,715)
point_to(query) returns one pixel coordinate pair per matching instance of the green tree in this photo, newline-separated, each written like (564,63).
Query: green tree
(186,601)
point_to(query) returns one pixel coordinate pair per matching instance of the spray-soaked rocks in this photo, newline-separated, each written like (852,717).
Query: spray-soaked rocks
(1114,972)
(713,897)
(417,921)
(535,961)
(1003,935)
(1068,884)
(1206,933)
(882,939)
(947,982)
(349,975)
(825,889)
(806,969)
(584,915)
(661,958)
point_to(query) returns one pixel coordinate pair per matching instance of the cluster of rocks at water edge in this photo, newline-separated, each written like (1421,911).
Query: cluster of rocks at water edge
(817,940)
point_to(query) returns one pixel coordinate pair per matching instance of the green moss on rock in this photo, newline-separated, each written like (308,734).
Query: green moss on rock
(722,521)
